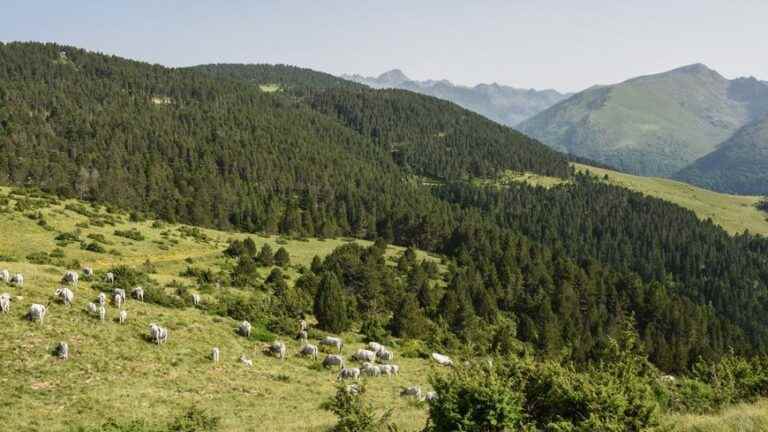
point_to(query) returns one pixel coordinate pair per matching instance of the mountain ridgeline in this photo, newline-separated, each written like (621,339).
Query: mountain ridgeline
(503,104)
(653,125)
(208,146)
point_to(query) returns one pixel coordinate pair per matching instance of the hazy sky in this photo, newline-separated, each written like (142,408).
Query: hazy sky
(563,44)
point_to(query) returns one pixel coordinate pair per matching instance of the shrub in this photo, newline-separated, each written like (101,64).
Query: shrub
(132,234)
(194,420)
(518,394)
(69,237)
(93,247)
(97,237)
(354,413)
(39,258)
(373,329)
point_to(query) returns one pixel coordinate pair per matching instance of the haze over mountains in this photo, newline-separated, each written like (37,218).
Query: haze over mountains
(656,124)
(504,104)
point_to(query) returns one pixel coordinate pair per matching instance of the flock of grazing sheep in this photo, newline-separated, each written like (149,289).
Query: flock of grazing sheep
(374,358)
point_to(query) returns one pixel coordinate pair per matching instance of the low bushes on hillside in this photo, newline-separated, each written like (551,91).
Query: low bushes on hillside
(132,234)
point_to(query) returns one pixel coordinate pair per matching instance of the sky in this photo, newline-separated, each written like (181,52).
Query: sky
(563,44)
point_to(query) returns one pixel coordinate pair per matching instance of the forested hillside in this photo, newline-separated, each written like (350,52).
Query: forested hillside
(437,138)
(560,269)
(739,165)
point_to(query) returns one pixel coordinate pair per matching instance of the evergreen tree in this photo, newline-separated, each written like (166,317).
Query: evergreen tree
(266,257)
(331,304)
(282,258)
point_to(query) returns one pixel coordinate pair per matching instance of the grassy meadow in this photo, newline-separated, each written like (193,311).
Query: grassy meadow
(115,373)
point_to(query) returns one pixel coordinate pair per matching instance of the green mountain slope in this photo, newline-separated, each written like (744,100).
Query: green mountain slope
(739,165)
(652,125)
(436,138)
(208,150)
(503,104)
(565,262)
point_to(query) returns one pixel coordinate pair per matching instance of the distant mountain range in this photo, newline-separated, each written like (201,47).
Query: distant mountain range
(503,104)
(660,124)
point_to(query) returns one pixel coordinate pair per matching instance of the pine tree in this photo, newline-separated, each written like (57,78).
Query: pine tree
(331,305)
(266,258)
(282,258)
(409,321)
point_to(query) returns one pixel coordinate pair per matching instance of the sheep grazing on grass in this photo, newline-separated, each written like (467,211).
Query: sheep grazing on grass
(37,312)
(349,373)
(364,355)
(65,295)
(278,349)
(157,334)
(17,279)
(109,277)
(246,361)
(244,329)
(5,303)
(122,317)
(375,347)
(414,391)
(92,309)
(138,293)
(371,369)
(333,360)
(101,299)
(386,370)
(62,350)
(102,313)
(309,351)
(70,277)
(395,369)
(88,272)
(332,341)
(385,356)
(118,300)
(5,275)
(430,396)
(196,299)
(215,354)
(302,336)
(442,360)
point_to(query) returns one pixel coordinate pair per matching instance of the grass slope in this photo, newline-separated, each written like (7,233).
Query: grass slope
(651,125)
(113,372)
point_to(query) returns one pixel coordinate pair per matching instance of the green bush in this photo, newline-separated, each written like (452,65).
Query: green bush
(39,258)
(132,234)
(508,393)
(70,237)
(93,247)
(354,413)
